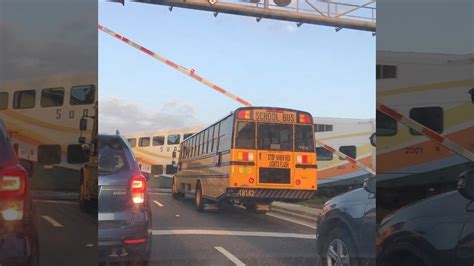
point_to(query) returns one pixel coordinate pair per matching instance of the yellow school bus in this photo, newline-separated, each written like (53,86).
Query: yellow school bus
(251,157)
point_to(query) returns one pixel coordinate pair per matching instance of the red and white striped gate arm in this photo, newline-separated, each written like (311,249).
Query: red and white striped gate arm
(216,87)
(346,157)
(182,69)
(449,144)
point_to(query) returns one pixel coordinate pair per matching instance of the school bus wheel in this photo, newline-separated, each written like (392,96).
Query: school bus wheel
(250,206)
(198,199)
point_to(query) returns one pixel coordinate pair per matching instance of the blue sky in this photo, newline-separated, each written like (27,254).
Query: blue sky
(271,63)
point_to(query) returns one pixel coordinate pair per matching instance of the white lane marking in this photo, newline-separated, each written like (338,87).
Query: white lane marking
(159,193)
(158,203)
(57,201)
(89,245)
(52,221)
(229,255)
(231,233)
(290,220)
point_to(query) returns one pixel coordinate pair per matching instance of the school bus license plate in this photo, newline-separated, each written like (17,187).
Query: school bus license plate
(247,193)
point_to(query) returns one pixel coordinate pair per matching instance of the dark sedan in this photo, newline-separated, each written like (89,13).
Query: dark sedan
(435,231)
(346,229)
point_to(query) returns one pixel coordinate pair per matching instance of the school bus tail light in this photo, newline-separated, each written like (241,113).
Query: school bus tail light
(251,180)
(302,158)
(245,156)
(243,114)
(304,119)
(298,182)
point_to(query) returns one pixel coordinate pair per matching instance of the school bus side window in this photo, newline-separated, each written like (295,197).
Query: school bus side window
(82,95)
(144,142)
(52,97)
(158,140)
(350,150)
(323,154)
(24,99)
(386,126)
(430,117)
(132,142)
(225,134)
(211,138)
(3,100)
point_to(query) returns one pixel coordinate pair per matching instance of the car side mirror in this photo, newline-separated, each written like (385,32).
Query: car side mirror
(370,184)
(28,165)
(83,124)
(466,184)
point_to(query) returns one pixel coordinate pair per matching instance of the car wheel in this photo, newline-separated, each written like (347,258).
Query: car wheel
(340,249)
(250,207)
(34,258)
(198,199)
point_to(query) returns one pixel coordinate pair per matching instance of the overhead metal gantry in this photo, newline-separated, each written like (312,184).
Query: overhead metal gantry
(342,14)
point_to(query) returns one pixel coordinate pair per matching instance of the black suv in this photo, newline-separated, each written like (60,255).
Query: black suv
(18,229)
(124,209)
(346,229)
(435,231)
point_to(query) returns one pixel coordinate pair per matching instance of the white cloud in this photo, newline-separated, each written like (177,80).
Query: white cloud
(127,116)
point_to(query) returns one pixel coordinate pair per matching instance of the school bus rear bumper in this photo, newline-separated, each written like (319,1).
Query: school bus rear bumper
(262,193)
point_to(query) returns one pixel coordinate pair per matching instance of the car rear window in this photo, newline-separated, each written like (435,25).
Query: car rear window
(112,155)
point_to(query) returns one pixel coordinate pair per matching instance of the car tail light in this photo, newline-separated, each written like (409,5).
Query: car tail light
(302,159)
(243,114)
(138,188)
(245,156)
(13,182)
(135,241)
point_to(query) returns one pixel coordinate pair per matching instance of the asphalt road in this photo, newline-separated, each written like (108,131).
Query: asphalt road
(183,236)
(66,235)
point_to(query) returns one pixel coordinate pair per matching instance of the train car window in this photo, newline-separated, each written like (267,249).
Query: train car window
(132,142)
(322,127)
(431,117)
(24,99)
(3,100)
(187,135)
(173,139)
(158,140)
(323,154)
(82,95)
(386,72)
(144,142)
(385,125)
(170,169)
(350,150)
(156,170)
(49,154)
(52,97)
(75,154)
